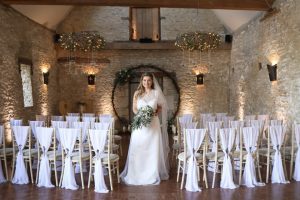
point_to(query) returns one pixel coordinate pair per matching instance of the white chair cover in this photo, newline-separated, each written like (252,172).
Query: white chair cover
(277,134)
(2,179)
(84,127)
(105,116)
(98,140)
(260,124)
(34,124)
(296,175)
(194,139)
(212,128)
(71,119)
(187,118)
(276,122)
(226,121)
(265,118)
(68,138)
(248,118)
(56,125)
(88,119)
(205,118)
(220,116)
(250,136)
(16,122)
(43,118)
(227,137)
(88,114)
(74,114)
(102,126)
(237,125)
(21,135)
(57,118)
(44,137)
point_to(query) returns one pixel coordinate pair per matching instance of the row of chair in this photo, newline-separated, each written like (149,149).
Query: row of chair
(267,139)
(24,148)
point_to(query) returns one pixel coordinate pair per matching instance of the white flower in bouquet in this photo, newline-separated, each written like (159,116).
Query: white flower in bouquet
(142,118)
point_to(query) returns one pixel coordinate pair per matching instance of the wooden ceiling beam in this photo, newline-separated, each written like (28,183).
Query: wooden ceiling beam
(201,4)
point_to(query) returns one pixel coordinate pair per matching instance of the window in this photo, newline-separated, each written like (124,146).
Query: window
(145,23)
(26,71)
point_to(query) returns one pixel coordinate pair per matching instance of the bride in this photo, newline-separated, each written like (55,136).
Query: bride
(147,160)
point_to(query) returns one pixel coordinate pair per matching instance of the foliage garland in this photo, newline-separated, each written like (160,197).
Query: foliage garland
(124,76)
(198,41)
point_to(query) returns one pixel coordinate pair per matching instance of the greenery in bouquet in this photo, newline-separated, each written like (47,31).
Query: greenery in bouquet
(143,117)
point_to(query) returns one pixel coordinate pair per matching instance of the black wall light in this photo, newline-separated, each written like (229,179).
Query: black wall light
(272,69)
(91,79)
(46,78)
(200,79)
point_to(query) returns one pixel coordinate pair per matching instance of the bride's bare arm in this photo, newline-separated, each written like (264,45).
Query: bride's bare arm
(158,110)
(134,104)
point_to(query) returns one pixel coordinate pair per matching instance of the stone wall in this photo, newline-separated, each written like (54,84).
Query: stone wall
(113,22)
(274,40)
(212,97)
(20,37)
(176,21)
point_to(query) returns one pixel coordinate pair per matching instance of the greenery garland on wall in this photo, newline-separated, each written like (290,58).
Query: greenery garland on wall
(125,75)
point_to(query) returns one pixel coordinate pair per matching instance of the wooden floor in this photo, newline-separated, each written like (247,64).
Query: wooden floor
(168,190)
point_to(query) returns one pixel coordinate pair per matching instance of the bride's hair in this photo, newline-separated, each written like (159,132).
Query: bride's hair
(141,90)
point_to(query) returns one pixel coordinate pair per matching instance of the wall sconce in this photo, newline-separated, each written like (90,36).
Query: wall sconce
(91,79)
(272,69)
(200,79)
(46,77)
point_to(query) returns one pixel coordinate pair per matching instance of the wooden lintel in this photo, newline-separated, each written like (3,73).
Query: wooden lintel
(82,60)
(201,4)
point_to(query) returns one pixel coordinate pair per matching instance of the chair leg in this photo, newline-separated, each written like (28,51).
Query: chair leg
(178,171)
(240,172)
(37,172)
(183,176)
(81,175)
(291,167)
(5,165)
(62,172)
(13,167)
(30,168)
(284,167)
(55,173)
(267,173)
(205,175)
(90,174)
(110,177)
(118,172)
(214,177)
(258,167)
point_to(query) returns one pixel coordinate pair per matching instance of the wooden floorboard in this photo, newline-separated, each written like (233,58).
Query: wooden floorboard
(167,190)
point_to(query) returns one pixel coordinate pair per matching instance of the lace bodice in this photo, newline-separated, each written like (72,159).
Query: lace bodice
(148,99)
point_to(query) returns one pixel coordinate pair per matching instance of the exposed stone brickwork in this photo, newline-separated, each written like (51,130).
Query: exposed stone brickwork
(276,38)
(176,21)
(212,97)
(20,37)
(111,22)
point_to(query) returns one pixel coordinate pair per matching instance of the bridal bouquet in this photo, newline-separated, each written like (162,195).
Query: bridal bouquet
(142,118)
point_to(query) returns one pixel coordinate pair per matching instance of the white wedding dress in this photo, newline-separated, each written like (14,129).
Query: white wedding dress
(147,157)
